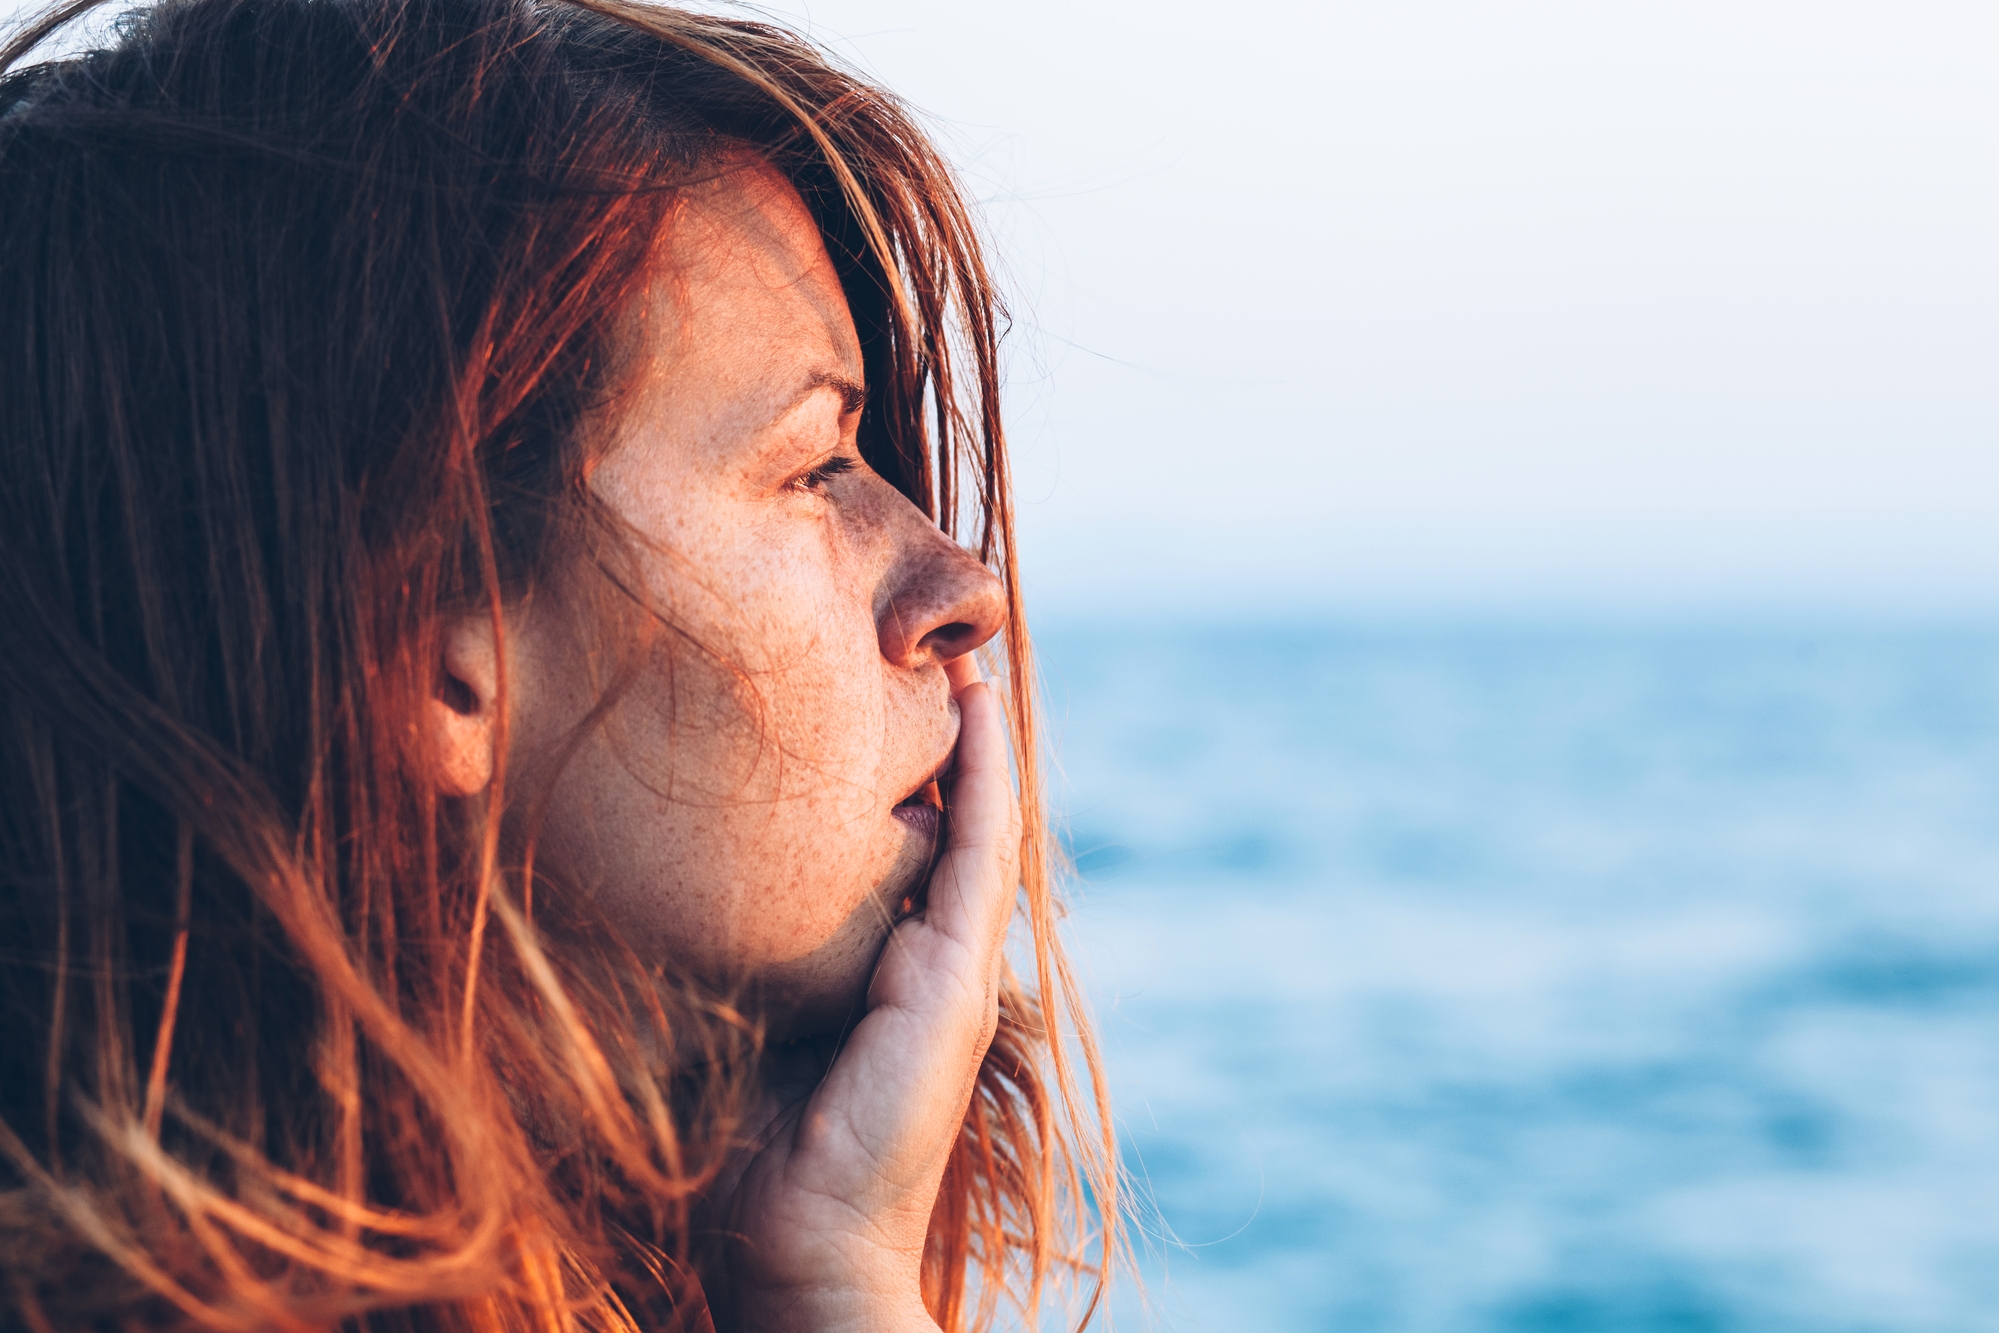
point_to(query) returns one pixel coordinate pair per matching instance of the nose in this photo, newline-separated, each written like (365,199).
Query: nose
(938,602)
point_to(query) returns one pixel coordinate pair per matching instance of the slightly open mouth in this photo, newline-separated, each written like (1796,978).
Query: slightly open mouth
(922,809)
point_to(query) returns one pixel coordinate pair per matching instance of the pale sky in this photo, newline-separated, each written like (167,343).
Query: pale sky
(1432,306)
(1447,305)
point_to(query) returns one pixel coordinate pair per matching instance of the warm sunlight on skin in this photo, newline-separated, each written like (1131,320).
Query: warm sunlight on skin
(739,814)
(576,847)
(754,809)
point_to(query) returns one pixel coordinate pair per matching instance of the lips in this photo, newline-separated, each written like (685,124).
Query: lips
(922,809)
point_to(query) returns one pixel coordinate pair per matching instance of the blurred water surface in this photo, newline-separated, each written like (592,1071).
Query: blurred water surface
(1490,980)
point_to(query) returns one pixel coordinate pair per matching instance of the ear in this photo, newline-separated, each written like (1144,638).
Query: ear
(463,716)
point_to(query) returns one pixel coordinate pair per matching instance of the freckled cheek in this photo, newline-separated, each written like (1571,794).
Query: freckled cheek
(831,735)
(828,688)
(801,884)
(831,843)
(801,865)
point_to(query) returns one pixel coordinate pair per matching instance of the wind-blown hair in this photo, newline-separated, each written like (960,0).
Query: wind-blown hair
(306,303)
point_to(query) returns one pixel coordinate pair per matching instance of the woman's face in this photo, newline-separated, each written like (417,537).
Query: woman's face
(746,810)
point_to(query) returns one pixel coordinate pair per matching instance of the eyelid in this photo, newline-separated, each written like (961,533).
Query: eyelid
(822,472)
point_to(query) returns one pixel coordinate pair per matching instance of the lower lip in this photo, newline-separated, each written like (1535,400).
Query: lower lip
(921,816)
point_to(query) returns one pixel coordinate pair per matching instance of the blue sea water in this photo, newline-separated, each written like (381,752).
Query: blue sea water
(1490,980)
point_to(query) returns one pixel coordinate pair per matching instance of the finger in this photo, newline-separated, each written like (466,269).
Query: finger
(940,972)
(971,888)
(899,1085)
(962,671)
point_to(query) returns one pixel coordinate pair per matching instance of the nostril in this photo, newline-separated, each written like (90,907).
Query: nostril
(458,696)
(939,602)
(952,640)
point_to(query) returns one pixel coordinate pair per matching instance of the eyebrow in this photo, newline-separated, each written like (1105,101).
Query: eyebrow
(853,393)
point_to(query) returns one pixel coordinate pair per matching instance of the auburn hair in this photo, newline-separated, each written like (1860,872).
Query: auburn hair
(307,302)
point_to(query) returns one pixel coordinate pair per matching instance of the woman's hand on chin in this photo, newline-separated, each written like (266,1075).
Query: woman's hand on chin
(830,1215)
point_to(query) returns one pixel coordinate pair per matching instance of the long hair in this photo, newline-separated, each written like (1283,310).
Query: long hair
(306,303)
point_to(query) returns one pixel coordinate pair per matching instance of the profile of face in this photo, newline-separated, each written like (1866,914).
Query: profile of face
(753,807)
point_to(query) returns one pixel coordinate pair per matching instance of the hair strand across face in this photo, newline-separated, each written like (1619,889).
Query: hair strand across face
(309,303)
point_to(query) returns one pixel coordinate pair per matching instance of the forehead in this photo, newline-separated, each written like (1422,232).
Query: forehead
(739,343)
(743,290)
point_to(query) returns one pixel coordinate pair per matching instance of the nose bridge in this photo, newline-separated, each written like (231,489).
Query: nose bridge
(936,601)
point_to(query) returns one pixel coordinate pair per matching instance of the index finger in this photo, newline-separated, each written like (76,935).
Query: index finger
(971,889)
(961,671)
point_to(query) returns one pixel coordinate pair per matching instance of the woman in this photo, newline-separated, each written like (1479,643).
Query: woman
(486,652)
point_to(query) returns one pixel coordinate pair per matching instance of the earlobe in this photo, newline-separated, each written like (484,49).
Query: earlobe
(462,715)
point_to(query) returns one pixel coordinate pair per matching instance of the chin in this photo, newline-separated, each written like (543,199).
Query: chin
(826,991)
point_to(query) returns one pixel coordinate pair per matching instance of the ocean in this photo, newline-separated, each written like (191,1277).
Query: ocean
(1489,979)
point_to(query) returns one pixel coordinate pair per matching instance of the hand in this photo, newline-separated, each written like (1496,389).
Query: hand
(833,1209)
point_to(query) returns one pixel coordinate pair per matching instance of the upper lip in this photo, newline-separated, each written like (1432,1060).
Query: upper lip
(934,776)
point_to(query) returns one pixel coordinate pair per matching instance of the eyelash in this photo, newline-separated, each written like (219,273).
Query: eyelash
(825,472)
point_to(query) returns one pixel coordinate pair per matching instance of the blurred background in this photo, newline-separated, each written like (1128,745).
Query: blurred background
(1509,496)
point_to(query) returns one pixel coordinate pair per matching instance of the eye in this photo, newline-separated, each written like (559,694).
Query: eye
(816,479)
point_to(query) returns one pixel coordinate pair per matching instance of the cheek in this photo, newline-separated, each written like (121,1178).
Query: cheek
(826,716)
(805,616)
(732,811)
